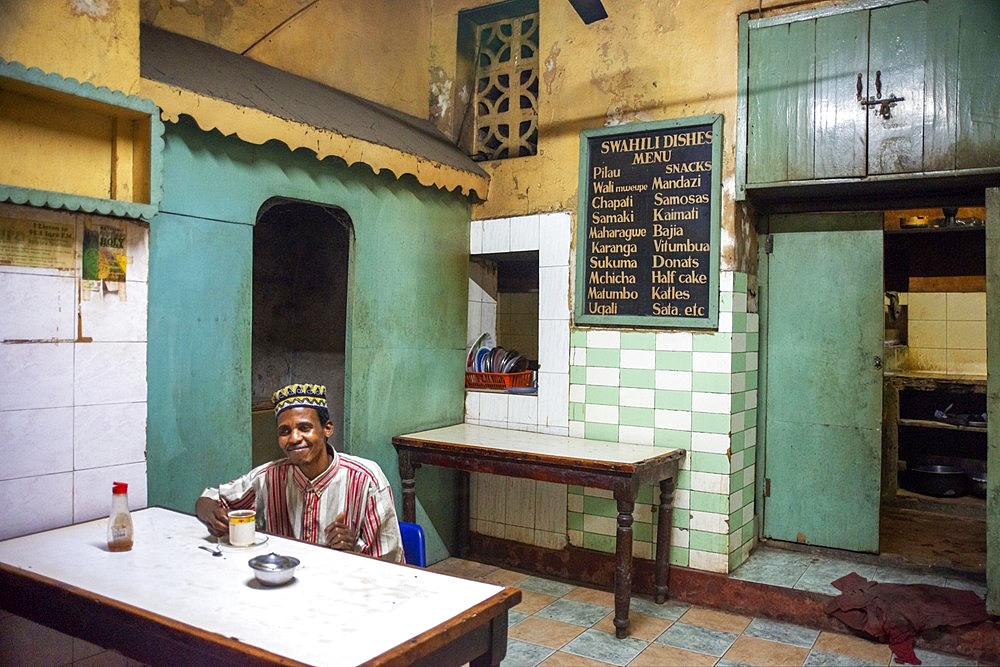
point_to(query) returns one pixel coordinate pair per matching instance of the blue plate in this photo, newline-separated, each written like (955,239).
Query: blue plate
(522,390)
(480,357)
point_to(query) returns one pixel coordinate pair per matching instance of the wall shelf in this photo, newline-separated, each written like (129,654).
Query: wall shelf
(912,437)
(75,146)
(929,423)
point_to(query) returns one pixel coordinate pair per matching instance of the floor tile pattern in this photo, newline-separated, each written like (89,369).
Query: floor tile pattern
(559,624)
(815,572)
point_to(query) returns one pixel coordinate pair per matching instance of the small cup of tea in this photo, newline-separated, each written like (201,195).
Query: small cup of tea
(242,527)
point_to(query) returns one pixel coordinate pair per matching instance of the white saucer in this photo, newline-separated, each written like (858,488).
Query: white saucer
(259,540)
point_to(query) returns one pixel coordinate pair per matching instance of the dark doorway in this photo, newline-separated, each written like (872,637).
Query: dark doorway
(301,267)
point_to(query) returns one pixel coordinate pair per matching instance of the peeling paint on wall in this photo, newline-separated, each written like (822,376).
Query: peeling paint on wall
(440,102)
(214,13)
(551,72)
(95,9)
(745,256)
(727,249)
(615,78)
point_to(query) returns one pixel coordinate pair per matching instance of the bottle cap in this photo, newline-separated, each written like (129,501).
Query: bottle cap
(119,487)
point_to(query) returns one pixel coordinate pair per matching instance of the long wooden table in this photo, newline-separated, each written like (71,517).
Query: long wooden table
(169,602)
(621,468)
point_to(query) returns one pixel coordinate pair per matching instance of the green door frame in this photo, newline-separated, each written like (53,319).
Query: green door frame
(993,400)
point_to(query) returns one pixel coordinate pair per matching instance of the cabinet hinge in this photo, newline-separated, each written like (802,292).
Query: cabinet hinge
(767,487)
(769,244)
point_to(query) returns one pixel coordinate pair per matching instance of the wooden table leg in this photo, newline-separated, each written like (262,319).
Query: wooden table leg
(663,527)
(408,483)
(463,514)
(498,644)
(623,560)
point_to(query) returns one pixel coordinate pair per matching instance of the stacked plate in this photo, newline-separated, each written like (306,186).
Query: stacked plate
(485,358)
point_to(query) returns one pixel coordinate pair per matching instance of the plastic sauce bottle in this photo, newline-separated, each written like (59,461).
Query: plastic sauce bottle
(119,521)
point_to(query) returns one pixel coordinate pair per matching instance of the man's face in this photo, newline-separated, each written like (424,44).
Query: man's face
(302,437)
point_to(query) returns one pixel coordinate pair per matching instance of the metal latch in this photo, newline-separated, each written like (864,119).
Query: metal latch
(884,105)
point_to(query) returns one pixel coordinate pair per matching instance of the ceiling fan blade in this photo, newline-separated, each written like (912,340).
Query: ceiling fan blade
(589,10)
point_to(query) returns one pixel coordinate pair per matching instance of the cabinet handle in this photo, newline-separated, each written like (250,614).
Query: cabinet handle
(860,87)
(883,106)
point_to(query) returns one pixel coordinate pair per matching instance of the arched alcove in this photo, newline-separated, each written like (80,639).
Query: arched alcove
(301,264)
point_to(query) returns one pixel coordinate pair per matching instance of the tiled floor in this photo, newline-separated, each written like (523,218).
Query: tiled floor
(813,572)
(562,624)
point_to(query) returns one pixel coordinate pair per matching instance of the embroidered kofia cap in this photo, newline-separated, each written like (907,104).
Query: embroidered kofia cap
(299,395)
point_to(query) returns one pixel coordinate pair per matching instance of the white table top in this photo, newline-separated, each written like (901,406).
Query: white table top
(341,609)
(541,444)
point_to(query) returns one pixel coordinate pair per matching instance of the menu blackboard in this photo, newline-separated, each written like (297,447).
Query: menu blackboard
(648,224)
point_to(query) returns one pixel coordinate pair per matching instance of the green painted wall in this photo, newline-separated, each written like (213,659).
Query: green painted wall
(406,313)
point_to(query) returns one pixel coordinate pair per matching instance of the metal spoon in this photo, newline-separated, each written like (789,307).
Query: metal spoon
(217,551)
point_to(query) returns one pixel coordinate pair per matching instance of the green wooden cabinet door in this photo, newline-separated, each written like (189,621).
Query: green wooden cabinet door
(780,117)
(823,386)
(962,87)
(841,125)
(978,142)
(804,118)
(896,53)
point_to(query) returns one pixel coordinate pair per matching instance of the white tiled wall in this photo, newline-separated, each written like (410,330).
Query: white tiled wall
(525,510)
(548,411)
(947,332)
(72,410)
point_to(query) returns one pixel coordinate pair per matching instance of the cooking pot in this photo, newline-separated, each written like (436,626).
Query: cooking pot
(936,480)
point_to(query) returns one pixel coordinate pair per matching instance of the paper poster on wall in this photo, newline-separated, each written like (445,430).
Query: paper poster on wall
(37,244)
(104,245)
(649,224)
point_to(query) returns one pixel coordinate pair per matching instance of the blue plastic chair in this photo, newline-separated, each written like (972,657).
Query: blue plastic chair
(413,544)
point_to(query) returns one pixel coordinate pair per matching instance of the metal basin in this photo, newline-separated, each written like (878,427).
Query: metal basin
(936,480)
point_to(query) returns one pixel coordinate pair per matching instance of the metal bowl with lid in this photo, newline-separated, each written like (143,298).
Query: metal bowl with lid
(273,569)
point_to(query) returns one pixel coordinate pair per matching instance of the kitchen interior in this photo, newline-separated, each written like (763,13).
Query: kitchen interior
(933,506)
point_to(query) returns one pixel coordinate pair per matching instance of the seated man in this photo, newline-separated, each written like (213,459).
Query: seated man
(315,494)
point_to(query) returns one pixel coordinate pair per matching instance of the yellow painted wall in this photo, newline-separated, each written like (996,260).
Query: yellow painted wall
(375,50)
(56,142)
(650,60)
(94,42)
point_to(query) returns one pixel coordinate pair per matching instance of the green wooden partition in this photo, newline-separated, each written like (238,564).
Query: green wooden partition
(406,324)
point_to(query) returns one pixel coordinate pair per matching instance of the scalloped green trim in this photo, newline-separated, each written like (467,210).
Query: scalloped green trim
(60,200)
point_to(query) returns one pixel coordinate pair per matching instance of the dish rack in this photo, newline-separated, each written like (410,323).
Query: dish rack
(500,381)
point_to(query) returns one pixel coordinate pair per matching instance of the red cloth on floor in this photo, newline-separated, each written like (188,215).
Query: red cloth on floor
(895,614)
